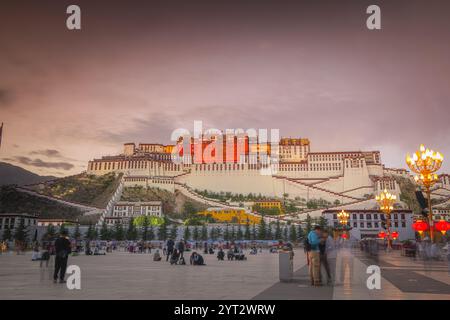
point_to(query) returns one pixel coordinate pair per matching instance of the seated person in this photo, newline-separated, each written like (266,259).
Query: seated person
(182,261)
(36,254)
(230,254)
(239,255)
(254,251)
(211,250)
(220,254)
(196,259)
(157,256)
(174,257)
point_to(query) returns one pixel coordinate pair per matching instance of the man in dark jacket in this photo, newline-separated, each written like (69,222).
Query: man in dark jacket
(181,247)
(170,246)
(62,251)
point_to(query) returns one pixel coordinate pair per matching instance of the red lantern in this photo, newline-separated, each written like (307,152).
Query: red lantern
(442,226)
(394,235)
(381,234)
(344,236)
(420,226)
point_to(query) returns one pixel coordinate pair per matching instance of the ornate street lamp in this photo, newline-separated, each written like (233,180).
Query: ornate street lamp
(425,163)
(386,201)
(343,218)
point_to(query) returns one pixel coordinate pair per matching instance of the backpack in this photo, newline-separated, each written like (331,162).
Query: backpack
(307,245)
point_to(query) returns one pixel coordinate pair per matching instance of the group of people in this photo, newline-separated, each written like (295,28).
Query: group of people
(174,253)
(320,252)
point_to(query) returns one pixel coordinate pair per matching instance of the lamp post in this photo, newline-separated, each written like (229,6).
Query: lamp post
(386,201)
(343,217)
(425,162)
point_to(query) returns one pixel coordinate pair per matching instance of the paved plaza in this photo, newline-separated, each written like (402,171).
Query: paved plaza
(122,275)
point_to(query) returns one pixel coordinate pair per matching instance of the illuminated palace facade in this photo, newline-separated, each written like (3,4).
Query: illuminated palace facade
(240,165)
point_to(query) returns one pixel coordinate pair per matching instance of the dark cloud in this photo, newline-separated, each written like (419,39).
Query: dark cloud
(51,153)
(42,164)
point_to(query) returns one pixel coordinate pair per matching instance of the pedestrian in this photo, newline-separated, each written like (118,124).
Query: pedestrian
(181,247)
(314,256)
(62,249)
(170,246)
(323,249)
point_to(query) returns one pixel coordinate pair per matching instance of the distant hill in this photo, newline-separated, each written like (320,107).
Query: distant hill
(82,188)
(10,174)
(11,200)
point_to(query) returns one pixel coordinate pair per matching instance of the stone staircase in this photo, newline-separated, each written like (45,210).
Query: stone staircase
(115,197)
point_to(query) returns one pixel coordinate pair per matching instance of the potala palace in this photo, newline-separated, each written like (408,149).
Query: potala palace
(349,178)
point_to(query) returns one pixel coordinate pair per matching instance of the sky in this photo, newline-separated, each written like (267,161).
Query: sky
(138,70)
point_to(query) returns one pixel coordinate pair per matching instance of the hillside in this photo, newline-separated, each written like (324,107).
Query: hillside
(14,201)
(174,205)
(83,188)
(10,174)
(408,194)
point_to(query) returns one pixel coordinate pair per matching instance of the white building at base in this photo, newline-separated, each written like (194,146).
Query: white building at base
(368,223)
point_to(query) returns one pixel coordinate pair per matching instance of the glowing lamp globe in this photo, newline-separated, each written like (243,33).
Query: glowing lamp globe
(420,226)
(344,236)
(442,226)
(394,235)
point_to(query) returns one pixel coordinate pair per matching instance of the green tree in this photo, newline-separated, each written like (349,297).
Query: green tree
(187,233)
(285,234)
(213,234)
(218,232)
(151,233)
(262,232)
(95,232)
(278,230)
(62,228)
(76,232)
(195,234)
(239,234)
(7,235)
(253,234)
(162,231)
(174,232)
(323,223)
(131,231)
(293,233)
(150,220)
(233,233)
(21,232)
(308,224)
(247,231)
(204,233)
(118,232)
(50,233)
(104,232)
(226,234)
(145,225)
(89,233)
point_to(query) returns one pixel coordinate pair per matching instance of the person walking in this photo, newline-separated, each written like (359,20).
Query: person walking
(181,247)
(170,246)
(324,249)
(314,256)
(62,250)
